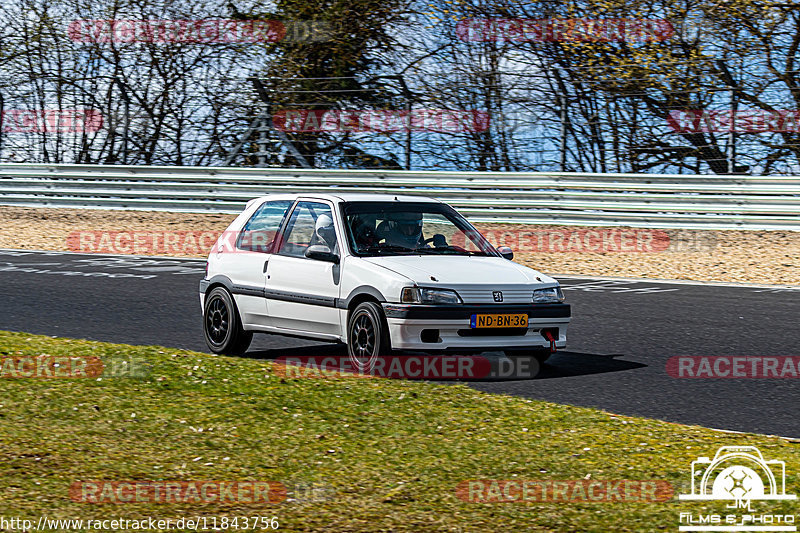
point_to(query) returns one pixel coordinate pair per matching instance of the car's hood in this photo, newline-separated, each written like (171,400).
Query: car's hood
(475,278)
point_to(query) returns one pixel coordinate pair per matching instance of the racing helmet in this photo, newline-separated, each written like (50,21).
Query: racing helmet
(325,231)
(405,228)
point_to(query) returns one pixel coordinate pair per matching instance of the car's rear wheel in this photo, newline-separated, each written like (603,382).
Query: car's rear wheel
(367,336)
(221,325)
(540,354)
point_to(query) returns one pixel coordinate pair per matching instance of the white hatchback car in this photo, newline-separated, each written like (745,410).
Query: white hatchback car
(377,273)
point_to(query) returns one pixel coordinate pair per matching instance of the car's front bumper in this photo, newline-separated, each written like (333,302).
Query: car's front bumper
(447,327)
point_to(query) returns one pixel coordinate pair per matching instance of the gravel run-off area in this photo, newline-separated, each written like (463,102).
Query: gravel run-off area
(768,257)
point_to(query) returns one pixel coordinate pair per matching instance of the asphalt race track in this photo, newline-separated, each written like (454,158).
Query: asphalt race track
(621,336)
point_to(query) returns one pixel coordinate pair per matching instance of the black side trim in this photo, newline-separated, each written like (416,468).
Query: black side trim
(461,312)
(344,303)
(270,294)
(309,299)
(247,290)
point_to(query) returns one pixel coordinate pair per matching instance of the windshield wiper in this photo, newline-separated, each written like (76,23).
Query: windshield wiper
(437,250)
(450,249)
(379,248)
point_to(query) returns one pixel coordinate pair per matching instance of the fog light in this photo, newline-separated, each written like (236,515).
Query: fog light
(429,335)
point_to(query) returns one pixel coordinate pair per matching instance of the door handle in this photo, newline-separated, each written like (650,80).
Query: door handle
(266,264)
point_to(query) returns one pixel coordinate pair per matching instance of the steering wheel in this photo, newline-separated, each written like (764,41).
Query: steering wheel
(438,240)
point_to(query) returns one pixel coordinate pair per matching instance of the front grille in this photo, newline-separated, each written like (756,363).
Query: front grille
(484,296)
(493,332)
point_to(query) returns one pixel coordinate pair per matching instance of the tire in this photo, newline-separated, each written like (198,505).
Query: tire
(367,336)
(540,354)
(221,325)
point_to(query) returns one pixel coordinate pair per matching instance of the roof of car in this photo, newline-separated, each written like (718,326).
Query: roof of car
(358,197)
(368,197)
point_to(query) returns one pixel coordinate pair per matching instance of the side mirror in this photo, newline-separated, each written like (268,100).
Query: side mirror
(506,252)
(320,252)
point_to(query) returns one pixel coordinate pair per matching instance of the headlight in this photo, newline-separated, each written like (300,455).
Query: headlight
(550,295)
(417,295)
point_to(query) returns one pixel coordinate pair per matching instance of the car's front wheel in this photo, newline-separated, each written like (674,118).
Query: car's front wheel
(367,336)
(221,325)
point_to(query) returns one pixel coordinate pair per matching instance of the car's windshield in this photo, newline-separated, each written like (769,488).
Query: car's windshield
(406,228)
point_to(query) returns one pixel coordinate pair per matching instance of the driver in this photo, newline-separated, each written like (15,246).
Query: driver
(404,229)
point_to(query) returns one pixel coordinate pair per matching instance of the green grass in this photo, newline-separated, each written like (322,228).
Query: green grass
(387,454)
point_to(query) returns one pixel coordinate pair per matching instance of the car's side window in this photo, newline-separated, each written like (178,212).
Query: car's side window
(311,223)
(258,235)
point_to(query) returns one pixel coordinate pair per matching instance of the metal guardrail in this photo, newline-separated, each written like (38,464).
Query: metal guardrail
(640,200)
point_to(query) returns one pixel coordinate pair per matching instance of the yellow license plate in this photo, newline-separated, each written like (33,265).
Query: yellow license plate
(517,320)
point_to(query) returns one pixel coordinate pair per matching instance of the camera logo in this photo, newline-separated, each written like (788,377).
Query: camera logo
(738,475)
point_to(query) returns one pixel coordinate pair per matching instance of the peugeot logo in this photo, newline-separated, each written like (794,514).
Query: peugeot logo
(497,295)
